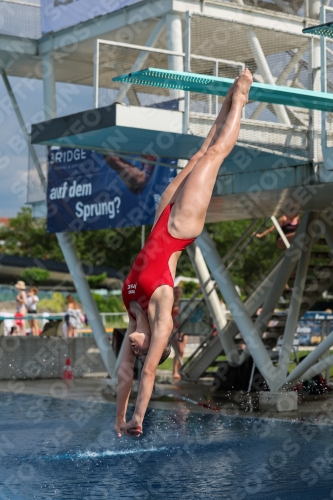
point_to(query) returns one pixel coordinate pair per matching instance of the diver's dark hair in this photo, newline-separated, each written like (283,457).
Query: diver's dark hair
(165,353)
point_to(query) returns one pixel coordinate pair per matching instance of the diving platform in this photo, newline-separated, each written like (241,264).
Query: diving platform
(204,84)
(120,129)
(128,130)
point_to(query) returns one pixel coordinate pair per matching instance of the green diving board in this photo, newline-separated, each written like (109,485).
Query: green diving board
(325,29)
(203,84)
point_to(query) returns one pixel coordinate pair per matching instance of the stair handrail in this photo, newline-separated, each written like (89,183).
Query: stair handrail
(239,241)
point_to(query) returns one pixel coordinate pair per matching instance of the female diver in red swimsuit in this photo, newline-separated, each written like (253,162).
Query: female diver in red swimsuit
(179,220)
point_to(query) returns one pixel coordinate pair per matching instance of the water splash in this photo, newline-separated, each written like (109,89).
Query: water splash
(102,454)
(111,453)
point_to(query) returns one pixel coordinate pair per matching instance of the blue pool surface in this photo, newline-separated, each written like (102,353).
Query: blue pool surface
(63,449)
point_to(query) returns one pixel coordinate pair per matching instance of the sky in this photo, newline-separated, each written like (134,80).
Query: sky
(13,148)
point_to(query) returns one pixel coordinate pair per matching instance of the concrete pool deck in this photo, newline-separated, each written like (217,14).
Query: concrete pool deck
(312,409)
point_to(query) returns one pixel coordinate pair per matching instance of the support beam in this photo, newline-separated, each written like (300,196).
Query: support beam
(24,129)
(66,244)
(278,282)
(272,298)
(282,78)
(281,233)
(187,68)
(211,351)
(284,6)
(296,299)
(314,8)
(131,94)
(89,305)
(329,236)
(316,116)
(96,73)
(151,42)
(318,368)
(266,295)
(212,301)
(327,151)
(49,87)
(247,232)
(175,43)
(237,308)
(262,64)
(301,371)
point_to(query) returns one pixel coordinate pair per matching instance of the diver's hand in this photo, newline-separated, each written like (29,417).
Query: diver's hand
(117,427)
(132,428)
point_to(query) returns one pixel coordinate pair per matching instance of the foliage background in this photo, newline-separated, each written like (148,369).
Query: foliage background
(117,248)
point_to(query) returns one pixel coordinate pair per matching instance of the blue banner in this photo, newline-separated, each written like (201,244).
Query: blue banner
(313,326)
(87,190)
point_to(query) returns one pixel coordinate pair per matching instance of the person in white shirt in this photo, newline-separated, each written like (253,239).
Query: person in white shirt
(32,300)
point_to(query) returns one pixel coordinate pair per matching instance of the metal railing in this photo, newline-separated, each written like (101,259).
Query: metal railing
(110,321)
(212,101)
(140,61)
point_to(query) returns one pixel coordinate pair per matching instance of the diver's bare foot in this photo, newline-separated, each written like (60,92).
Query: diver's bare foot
(231,90)
(242,86)
(176,376)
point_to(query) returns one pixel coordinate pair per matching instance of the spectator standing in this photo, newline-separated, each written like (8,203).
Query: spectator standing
(179,340)
(73,316)
(32,300)
(21,310)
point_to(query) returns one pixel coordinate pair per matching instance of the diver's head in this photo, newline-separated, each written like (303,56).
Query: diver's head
(140,342)
(141,337)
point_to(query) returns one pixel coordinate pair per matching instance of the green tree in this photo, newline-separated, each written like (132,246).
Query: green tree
(34,275)
(189,288)
(56,304)
(96,280)
(118,248)
(109,304)
(26,236)
(257,258)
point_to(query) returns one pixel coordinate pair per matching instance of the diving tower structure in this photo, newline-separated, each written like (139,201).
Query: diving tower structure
(278,164)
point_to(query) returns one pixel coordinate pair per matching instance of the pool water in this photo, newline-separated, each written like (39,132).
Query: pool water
(62,449)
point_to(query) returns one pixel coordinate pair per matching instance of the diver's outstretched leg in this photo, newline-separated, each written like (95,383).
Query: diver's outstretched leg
(171,192)
(189,212)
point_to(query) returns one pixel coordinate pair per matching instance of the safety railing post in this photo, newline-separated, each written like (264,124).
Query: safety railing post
(96,73)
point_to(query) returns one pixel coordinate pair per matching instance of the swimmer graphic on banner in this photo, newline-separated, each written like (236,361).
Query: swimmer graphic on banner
(88,191)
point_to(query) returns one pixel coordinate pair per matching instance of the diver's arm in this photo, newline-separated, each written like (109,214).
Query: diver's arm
(125,378)
(157,345)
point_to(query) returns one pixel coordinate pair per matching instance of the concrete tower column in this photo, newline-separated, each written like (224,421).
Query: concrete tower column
(174,36)
(65,241)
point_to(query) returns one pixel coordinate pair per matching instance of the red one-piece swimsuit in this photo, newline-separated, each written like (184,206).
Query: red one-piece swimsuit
(151,267)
